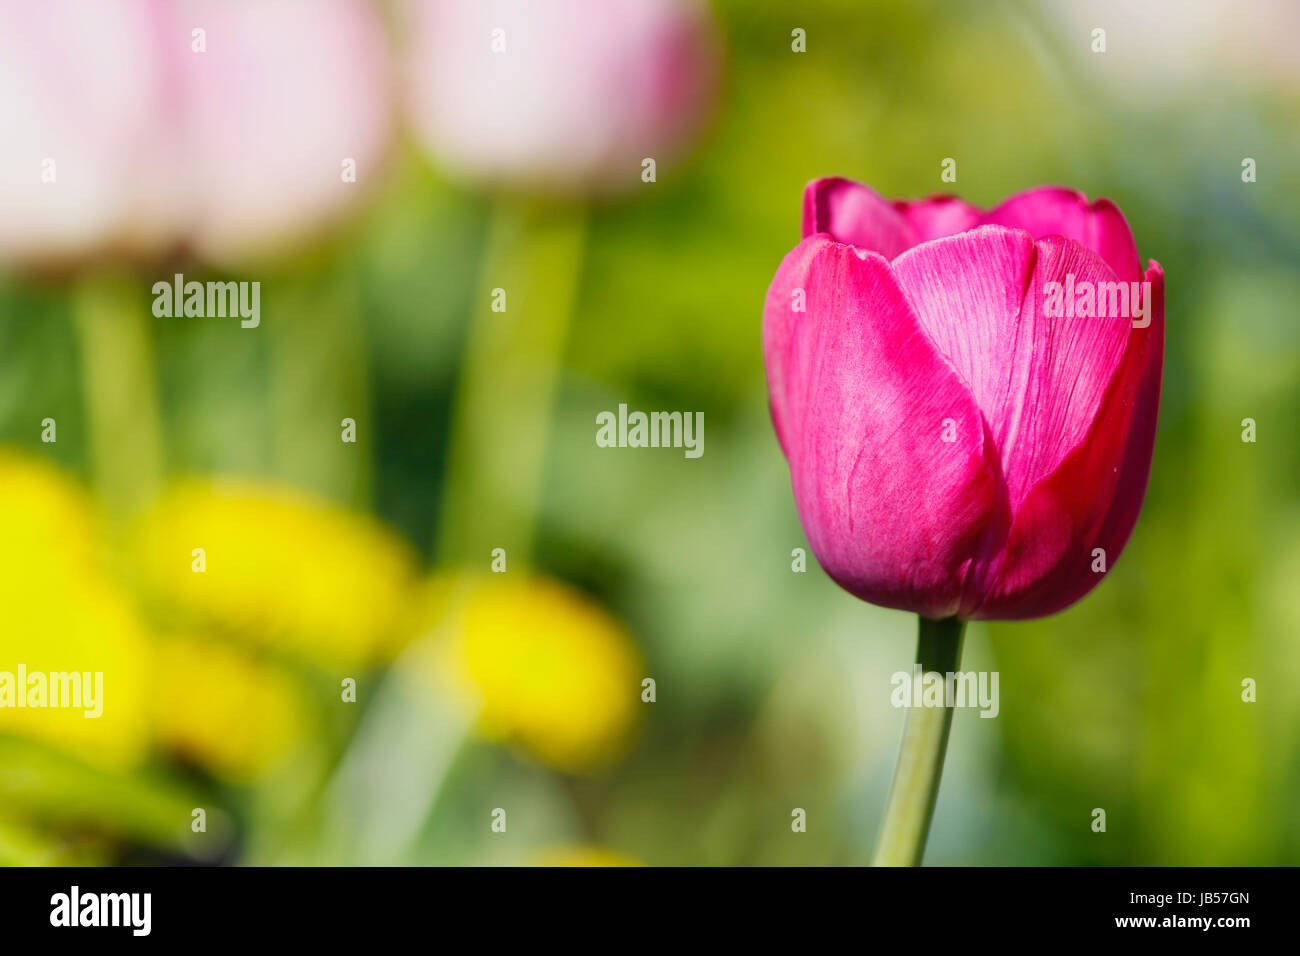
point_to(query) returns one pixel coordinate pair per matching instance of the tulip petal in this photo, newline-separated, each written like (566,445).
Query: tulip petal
(1057,211)
(1090,502)
(939,216)
(1038,379)
(894,469)
(853,213)
(285,92)
(83,99)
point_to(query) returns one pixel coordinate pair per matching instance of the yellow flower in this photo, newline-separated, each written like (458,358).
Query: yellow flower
(217,706)
(546,667)
(60,616)
(582,856)
(47,517)
(277,569)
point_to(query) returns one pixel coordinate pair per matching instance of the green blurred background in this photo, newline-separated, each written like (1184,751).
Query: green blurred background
(771,686)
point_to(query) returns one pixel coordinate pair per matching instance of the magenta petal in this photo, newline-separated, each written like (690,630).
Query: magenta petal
(1074,524)
(1057,211)
(894,471)
(939,216)
(1038,379)
(851,212)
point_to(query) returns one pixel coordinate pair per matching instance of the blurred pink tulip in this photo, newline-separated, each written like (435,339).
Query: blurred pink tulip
(81,93)
(286,94)
(570,95)
(959,445)
(128,129)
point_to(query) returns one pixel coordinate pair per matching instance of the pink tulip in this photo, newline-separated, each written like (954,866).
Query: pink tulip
(959,445)
(570,95)
(287,92)
(80,94)
(125,130)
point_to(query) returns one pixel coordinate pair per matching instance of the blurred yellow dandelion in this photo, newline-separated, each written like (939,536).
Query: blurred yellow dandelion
(47,516)
(548,669)
(276,568)
(582,856)
(220,708)
(74,657)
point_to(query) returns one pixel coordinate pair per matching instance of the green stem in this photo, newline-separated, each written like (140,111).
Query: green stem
(121,392)
(906,823)
(511,368)
(319,378)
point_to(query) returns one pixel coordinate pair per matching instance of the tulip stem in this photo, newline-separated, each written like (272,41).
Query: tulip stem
(121,393)
(319,371)
(912,795)
(509,377)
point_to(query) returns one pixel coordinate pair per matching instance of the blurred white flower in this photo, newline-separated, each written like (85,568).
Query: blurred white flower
(288,92)
(1160,50)
(81,95)
(133,125)
(570,95)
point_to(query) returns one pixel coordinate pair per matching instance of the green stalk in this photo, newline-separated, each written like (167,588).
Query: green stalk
(906,823)
(318,378)
(500,429)
(121,392)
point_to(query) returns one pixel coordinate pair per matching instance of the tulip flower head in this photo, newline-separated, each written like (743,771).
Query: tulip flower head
(567,95)
(967,400)
(287,119)
(81,97)
(132,127)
